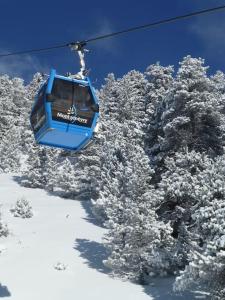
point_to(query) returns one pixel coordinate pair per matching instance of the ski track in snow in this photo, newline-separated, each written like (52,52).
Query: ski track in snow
(60,234)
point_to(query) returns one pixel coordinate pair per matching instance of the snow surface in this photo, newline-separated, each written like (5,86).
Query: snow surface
(57,254)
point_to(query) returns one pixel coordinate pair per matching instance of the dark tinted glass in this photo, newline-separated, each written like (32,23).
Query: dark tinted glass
(38,114)
(72,103)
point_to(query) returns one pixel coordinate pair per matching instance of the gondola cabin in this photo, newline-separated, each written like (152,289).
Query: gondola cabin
(65,113)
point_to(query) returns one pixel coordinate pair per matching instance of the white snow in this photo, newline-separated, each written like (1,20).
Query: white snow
(60,234)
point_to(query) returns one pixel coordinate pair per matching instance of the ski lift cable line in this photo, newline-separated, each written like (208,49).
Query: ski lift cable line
(113,34)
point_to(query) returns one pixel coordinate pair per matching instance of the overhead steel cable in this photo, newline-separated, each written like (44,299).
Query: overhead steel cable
(161,22)
(33,50)
(149,25)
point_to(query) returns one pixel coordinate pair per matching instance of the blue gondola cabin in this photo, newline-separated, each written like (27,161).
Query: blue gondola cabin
(65,113)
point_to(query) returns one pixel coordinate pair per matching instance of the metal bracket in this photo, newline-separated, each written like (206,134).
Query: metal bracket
(79,47)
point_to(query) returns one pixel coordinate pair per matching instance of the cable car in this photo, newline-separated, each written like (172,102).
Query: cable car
(65,112)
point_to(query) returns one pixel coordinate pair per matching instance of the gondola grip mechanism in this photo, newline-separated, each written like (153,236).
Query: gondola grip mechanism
(79,47)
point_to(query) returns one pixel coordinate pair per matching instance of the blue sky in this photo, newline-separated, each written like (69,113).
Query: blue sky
(32,24)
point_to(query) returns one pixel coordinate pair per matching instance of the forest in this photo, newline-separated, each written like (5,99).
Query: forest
(154,176)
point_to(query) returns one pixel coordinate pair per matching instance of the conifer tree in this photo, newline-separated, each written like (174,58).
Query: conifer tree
(192,118)
(206,262)
(160,81)
(123,117)
(135,235)
(4,231)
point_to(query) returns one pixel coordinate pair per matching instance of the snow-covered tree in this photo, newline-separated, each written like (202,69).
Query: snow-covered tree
(182,187)
(15,106)
(6,105)
(65,182)
(22,209)
(35,175)
(4,231)
(206,261)
(160,81)
(10,151)
(138,243)
(126,199)
(123,117)
(12,111)
(192,117)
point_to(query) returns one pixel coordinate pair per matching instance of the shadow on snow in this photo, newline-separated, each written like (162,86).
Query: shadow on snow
(162,288)
(18,178)
(94,253)
(4,292)
(86,204)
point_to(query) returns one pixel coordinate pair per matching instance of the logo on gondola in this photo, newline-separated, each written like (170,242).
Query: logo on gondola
(72,111)
(72,116)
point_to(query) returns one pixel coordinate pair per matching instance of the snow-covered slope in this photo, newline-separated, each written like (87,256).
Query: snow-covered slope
(59,232)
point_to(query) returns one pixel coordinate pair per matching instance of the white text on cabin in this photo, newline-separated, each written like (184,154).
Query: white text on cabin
(72,119)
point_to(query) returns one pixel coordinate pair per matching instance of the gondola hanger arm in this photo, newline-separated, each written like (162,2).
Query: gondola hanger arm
(79,48)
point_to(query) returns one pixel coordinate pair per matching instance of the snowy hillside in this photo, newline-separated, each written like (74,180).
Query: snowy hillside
(154,177)
(59,232)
